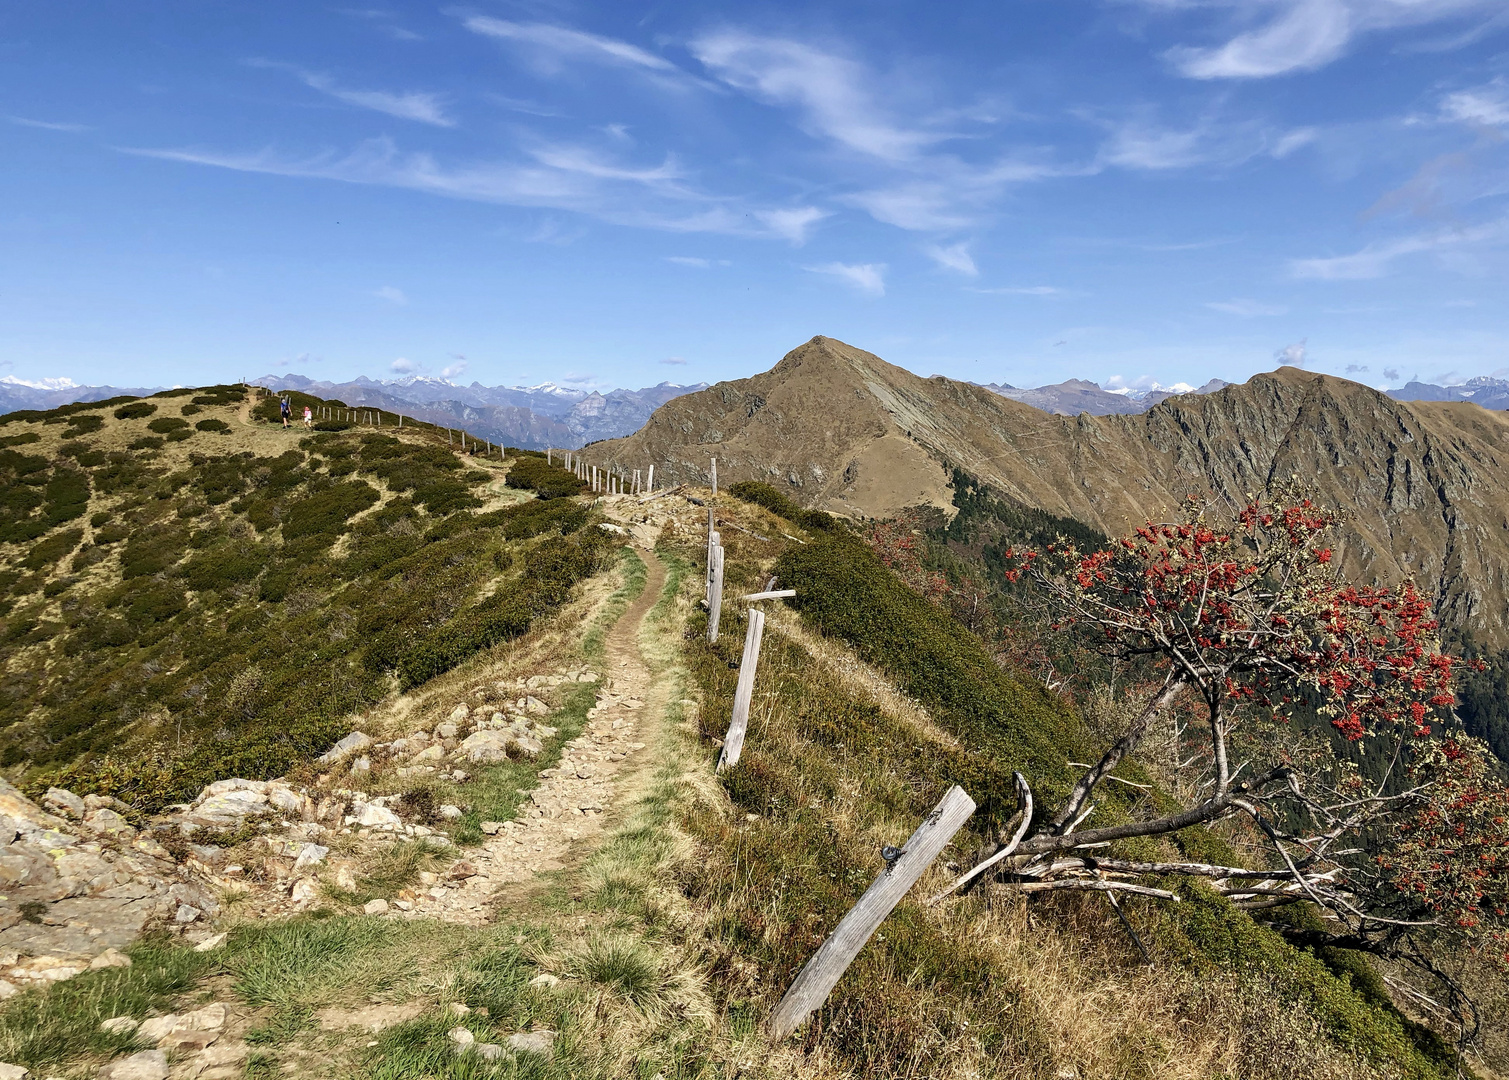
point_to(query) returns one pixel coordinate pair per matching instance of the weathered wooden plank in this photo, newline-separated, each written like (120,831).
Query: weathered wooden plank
(650,481)
(733,742)
(774,594)
(715,601)
(833,957)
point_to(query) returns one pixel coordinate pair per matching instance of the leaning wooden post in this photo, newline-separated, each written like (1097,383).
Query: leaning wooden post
(834,956)
(715,596)
(713,542)
(715,478)
(650,483)
(733,742)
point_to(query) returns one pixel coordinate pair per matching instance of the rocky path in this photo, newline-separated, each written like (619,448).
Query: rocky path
(564,815)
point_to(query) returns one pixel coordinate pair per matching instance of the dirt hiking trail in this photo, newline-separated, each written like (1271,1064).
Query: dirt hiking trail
(565,816)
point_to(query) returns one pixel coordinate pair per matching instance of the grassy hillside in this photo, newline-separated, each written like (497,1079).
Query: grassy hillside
(985,985)
(191,591)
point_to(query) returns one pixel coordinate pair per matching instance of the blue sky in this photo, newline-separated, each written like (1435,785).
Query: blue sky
(620,193)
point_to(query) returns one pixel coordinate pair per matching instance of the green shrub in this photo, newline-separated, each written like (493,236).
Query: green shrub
(223,566)
(191,409)
(332,425)
(165,424)
(212,425)
(146,442)
(83,425)
(135,411)
(52,549)
(67,496)
(539,516)
(777,502)
(227,394)
(325,511)
(531,472)
(180,435)
(549,573)
(21,439)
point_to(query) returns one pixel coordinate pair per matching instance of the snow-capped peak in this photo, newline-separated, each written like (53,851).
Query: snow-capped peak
(61,383)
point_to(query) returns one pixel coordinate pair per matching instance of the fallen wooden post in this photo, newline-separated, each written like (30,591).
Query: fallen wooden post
(774,594)
(833,957)
(733,742)
(715,596)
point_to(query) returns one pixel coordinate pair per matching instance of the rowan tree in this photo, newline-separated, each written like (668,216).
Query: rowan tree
(1252,620)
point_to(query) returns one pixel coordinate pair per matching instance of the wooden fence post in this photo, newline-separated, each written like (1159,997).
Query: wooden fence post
(715,478)
(650,483)
(733,742)
(833,957)
(715,600)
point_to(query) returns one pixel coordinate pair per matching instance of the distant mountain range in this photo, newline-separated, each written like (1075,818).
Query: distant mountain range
(50,393)
(535,417)
(1487,392)
(532,417)
(1081,396)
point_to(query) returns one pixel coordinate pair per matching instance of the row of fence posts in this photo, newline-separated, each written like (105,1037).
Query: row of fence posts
(373,418)
(608,480)
(903,866)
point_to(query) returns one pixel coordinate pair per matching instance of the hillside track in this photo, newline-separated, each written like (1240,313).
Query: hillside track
(565,818)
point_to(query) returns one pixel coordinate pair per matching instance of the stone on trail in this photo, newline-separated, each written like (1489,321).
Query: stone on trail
(147,1065)
(345,748)
(460,713)
(119,1025)
(447,730)
(310,855)
(209,1018)
(211,943)
(545,981)
(488,1051)
(12,1072)
(108,821)
(451,812)
(110,958)
(376,907)
(486,746)
(64,801)
(540,1042)
(186,913)
(461,1036)
(376,816)
(491,828)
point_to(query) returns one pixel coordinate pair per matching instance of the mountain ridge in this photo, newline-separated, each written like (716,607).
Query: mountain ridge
(843,430)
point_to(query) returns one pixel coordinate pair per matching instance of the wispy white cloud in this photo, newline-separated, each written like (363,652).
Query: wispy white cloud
(450,371)
(1377,259)
(1146,145)
(392,295)
(1278,37)
(47,125)
(404,366)
(423,107)
(1025,290)
(552,44)
(868,278)
(554,176)
(696,261)
(954,257)
(1247,309)
(1483,106)
(674,360)
(828,90)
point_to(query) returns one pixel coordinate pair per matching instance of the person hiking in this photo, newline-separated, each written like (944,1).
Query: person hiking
(308,417)
(285,411)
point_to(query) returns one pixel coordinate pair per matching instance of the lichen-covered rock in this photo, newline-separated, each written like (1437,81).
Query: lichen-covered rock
(345,748)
